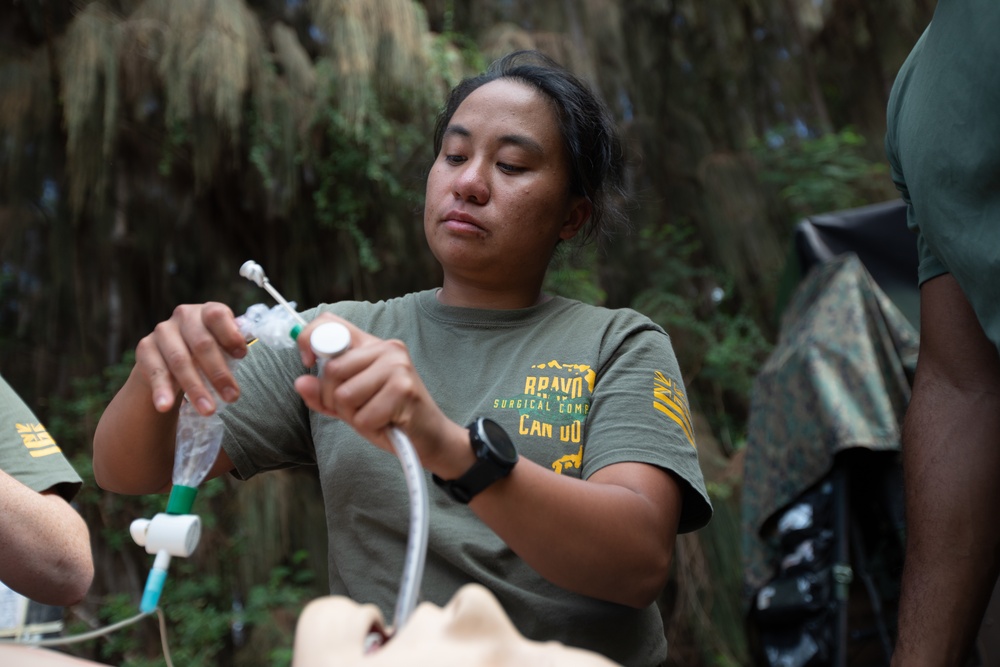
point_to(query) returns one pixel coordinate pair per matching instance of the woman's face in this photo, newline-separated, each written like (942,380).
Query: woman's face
(497,198)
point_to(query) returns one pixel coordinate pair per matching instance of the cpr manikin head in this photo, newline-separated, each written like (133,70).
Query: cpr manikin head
(472,630)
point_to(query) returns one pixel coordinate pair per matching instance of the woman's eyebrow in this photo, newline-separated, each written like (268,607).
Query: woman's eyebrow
(518,140)
(522,141)
(459,130)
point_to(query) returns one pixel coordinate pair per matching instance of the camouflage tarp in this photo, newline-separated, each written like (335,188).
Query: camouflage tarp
(838,378)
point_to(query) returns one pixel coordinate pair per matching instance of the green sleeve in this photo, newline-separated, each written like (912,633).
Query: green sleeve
(28,453)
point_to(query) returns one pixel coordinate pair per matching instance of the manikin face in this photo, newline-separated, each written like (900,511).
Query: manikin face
(497,200)
(472,629)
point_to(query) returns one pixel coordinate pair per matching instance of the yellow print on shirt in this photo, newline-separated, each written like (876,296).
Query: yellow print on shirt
(37,440)
(669,398)
(568,461)
(554,405)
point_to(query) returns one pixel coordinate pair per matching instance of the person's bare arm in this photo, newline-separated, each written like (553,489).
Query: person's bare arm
(951,457)
(610,537)
(134,440)
(46,545)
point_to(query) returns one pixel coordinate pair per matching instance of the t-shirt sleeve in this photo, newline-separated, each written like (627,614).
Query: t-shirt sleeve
(640,413)
(268,427)
(29,453)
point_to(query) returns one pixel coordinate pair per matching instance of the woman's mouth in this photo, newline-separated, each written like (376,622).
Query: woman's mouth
(462,222)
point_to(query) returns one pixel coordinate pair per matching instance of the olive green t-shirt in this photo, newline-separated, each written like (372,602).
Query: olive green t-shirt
(577,388)
(943,144)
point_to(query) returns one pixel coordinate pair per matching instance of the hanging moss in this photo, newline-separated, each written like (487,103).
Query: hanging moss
(89,77)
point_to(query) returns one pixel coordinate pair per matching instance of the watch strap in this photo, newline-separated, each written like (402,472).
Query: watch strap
(487,469)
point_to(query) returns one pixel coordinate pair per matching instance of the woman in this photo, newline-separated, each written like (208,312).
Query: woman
(527,157)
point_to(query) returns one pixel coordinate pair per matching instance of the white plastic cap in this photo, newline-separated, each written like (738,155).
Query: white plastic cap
(253,272)
(330,339)
(177,534)
(138,529)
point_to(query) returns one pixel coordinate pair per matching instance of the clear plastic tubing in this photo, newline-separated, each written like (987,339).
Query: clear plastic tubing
(416,545)
(327,341)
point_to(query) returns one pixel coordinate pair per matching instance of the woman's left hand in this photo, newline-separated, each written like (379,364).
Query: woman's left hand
(373,385)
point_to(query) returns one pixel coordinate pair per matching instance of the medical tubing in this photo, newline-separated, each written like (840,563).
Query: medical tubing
(154,582)
(100,632)
(273,292)
(329,340)
(416,545)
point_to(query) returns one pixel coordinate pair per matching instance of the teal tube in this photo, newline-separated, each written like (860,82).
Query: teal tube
(154,586)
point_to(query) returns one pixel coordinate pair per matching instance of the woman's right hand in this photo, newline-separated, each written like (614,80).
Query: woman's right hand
(186,350)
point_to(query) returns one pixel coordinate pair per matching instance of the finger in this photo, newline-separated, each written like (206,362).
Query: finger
(350,380)
(227,344)
(154,368)
(210,333)
(358,337)
(193,356)
(308,387)
(321,396)
(220,320)
(389,402)
(374,388)
(181,366)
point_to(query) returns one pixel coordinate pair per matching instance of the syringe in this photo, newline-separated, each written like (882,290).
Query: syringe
(327,341)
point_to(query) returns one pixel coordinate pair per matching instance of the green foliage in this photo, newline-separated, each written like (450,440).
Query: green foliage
(469,52)
(288,587)
(363,172)
(826,173)
(70,418)
(264,135)
(721,343)
(177,139)
(737,350)
(201,617)
(576,275)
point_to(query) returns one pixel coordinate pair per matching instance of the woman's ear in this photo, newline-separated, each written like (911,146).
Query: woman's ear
(577,216)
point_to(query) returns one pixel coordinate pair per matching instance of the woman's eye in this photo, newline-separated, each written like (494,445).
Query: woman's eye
(509,168)
(454,159)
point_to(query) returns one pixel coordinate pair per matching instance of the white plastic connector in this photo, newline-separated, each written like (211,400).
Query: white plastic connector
(253,272)
(176,534)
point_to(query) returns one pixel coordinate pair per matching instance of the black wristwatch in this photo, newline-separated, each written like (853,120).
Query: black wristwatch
(495,458)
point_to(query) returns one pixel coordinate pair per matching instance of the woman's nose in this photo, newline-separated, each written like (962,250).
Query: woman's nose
(472,182)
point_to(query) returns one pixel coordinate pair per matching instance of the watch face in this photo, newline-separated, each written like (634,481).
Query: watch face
(499,439)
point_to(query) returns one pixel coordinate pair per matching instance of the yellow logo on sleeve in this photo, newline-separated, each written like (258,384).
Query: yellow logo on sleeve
(669,398)
(37,440)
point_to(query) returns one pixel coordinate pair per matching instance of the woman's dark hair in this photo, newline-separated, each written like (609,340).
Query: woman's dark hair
(596,159)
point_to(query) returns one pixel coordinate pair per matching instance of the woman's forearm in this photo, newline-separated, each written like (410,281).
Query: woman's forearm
(134,443)
(610,537)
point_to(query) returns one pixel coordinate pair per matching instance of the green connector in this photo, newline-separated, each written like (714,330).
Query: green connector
(181,499)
